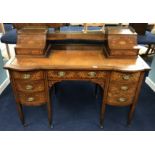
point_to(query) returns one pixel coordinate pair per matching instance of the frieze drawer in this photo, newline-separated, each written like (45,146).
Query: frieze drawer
(76,74)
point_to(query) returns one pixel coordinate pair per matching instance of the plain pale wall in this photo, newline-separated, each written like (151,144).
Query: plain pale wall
(3,74)
(152,72)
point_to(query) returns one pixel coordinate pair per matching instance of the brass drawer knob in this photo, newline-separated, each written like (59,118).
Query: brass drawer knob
(26,76)
(122,99)
(122,42)
(29,87)
(92,74)
(126,77)
(124,88)
(61,74)
(30,99)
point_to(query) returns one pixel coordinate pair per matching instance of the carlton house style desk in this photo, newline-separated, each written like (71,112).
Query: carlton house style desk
(108,58)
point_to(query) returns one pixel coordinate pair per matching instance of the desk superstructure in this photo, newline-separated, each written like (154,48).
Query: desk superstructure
(39,64)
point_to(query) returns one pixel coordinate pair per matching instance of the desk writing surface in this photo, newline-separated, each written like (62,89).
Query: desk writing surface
(77,59)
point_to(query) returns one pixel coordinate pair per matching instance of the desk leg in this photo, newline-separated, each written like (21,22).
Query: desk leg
(103,104)
(130,115)
(49,110)
(49,103)
(104,98)
(20,112)
(19,106)
(132,108)
(102,113)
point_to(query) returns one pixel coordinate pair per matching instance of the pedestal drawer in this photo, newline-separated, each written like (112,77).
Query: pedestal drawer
(31,75)
(121,94)
(122,88)
(125,76)
(32,99)
(30,86)
(119,100)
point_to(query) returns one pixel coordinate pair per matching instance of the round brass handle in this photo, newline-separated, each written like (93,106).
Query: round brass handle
(122,99)
(92,74)
(26,76)
(124,88)
(29,87)
(61,74)
(126,77)
(30,99)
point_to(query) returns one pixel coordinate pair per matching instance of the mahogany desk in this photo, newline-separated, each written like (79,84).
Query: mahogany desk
(32,77)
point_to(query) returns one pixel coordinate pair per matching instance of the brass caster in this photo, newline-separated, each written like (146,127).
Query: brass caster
(128,125)
(25,125)
(101,126)
(52,126)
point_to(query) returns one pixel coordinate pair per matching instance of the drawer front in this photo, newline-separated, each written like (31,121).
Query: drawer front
(119,52)
(30,86)
(32,99)
(76,74)
(20,51)
(122,42)
(122,88)
(125,76)
(31,40)
(33,75)
(121,100)
(121,94)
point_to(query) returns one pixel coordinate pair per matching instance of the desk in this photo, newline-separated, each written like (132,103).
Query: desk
(32,77)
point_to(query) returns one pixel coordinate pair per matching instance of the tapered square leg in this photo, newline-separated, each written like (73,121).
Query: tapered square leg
(49,110)
(101,123)
(102,113)
(21,114)
(130,114)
